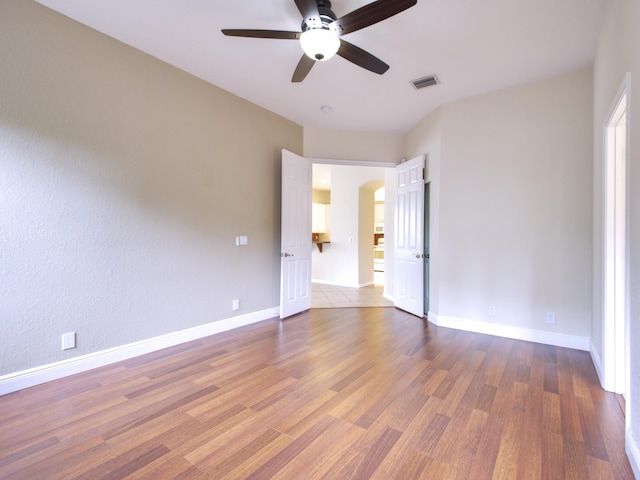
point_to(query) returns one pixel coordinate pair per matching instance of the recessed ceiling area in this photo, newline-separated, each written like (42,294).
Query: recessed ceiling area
(474,47)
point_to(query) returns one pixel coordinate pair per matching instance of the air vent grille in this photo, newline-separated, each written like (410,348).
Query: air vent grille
(424,82)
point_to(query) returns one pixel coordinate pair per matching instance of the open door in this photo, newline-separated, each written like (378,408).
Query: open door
(295,250)
(425,239)
(616,242)
(409,231)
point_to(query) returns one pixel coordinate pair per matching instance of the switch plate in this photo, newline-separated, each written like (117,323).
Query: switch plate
(235,305)
(242,240)
(68,341)
(551,317)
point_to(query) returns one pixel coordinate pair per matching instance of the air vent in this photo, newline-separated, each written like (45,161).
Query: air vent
(424,82)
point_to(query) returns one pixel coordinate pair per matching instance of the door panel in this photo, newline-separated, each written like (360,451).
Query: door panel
(295,265)
(427,208)
(409,267)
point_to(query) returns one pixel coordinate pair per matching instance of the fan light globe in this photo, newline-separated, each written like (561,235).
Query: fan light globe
(319,43)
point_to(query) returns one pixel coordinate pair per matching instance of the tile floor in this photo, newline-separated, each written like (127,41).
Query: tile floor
(333,296)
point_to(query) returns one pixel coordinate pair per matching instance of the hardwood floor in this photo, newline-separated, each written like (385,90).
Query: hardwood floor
(332,393)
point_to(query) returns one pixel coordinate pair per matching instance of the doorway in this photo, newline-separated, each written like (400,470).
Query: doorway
(616,246)
(349,269)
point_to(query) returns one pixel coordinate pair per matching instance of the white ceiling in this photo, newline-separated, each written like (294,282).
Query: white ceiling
(473,46)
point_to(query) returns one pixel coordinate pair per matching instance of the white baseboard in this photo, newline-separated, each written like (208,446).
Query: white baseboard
(53,371)
(633,453)
(508,331)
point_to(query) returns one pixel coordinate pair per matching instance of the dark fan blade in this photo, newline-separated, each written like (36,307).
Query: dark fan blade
(362,58)
(369,14)
(303,68)
(262,34)
(309,11)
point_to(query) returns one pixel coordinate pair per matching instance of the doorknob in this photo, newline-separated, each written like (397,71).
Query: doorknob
(284,255)
(418,255)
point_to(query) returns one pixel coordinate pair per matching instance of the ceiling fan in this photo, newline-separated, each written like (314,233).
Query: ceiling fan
(321,31)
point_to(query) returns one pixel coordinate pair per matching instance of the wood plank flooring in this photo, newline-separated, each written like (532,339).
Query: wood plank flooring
(357,393)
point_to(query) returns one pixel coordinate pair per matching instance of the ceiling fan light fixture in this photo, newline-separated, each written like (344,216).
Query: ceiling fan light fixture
(319,43)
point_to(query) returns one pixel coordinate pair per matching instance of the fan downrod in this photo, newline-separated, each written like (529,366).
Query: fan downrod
(326,16)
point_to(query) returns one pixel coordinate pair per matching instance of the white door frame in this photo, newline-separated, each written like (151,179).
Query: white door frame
(615,293)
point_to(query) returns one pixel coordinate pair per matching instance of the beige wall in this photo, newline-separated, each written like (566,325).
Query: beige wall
(425,139)
(123,183)
(321,196)
(617,54)
(341,145)
(512,177)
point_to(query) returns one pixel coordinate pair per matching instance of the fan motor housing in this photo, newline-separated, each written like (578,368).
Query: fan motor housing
(326,16)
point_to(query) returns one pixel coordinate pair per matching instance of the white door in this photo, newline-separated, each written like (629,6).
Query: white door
(409,252)
(295,250)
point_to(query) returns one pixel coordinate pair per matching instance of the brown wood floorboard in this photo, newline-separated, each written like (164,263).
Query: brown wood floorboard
(357,393)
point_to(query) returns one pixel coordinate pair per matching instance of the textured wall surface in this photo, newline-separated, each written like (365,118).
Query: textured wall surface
(123,183)
(511,205)
(342,145)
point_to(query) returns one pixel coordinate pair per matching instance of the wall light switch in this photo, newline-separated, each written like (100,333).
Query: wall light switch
(242,240)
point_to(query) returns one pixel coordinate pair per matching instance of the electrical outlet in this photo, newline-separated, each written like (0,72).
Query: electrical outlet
(68,341)
(551,317)
(235,305)
(492,311)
